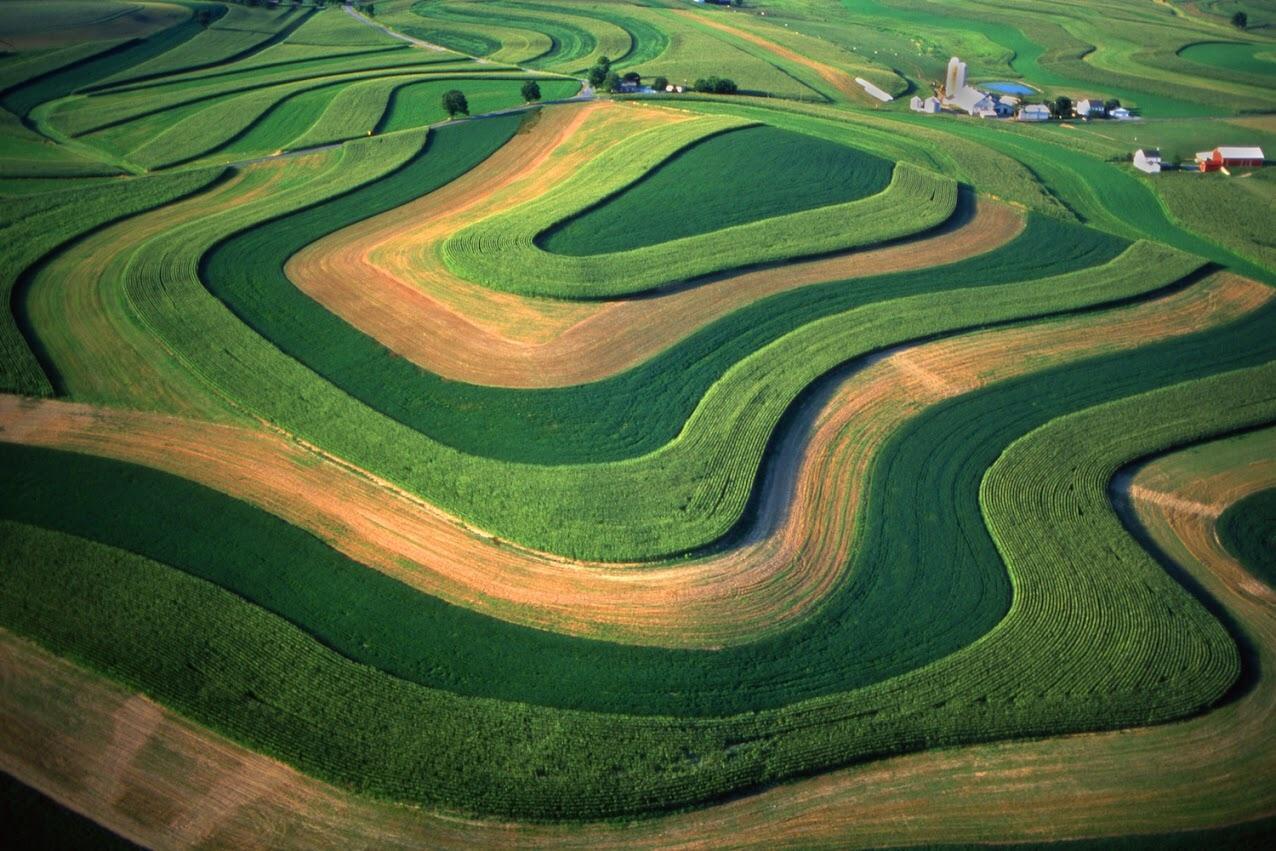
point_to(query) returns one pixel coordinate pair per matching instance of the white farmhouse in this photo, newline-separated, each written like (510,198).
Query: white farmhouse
(1035,112)
(1148,160)
(1089,107)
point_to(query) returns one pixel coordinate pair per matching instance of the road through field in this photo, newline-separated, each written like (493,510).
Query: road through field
(149,774)
(784,563)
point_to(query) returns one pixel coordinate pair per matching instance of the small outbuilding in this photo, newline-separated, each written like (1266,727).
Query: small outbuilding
(1034,112)
(1230,157)
(930,105)
(1148,160)
(1120,114)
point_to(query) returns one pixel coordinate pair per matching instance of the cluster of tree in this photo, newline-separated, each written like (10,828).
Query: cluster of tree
(455,103)
(1240,20)
(1061,107)
(716,86)
(531,91)
(598,74)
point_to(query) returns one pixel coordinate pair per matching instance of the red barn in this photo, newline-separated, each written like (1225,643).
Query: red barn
(1220,158)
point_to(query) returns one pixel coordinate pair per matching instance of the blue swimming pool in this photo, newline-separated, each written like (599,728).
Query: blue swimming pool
(1007,88)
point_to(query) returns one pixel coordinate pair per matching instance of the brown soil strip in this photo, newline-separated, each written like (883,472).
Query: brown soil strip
(409,302)
(57,720)
(785,563)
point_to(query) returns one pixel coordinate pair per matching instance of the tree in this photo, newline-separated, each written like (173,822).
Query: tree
(598,73)
(1063,106)
(531,91)
(660,83)
(370,10)
(611,82)
(632,77)
(716,86)
(1240,20)
(455,103)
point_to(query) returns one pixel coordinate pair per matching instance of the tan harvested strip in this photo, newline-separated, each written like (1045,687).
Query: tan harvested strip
(835,77)
(408,300)
(786,563)
(73,304)
(59,725)
(440,305)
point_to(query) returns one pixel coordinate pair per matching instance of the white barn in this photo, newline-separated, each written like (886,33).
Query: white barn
(973,101)
(1035,112)
(1148,160)
(929,105)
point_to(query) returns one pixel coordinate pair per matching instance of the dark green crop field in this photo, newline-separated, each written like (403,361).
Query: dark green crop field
(736,177)
(1248,529)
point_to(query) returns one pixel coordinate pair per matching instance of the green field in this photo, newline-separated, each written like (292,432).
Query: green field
(1248,530)
(737,177)
(768,469)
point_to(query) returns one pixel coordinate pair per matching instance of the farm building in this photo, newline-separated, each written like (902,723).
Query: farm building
(1147,160)
(929,105)
(1230,157)
(955,81)
(1089,107)
(971,100)
(1035,112)
(1120,114)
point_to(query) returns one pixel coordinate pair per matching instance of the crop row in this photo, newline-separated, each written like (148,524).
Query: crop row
(1160,655)
(37,227)
(670,504)
(727,179)
(501,251)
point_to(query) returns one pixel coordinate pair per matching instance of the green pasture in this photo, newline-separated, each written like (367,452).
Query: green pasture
(729,179)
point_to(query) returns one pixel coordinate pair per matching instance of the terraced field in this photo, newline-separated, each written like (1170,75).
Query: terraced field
(767,469)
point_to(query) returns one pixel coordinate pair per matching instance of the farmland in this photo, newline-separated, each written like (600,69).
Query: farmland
(587,464)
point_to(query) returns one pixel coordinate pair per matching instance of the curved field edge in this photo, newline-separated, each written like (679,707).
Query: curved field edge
(32,239)
(765,579)
(490,251)
(969,696)
(77,718)
(723,180)
(1248,530)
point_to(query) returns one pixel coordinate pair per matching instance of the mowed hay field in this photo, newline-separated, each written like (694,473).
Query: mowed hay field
(579,467)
